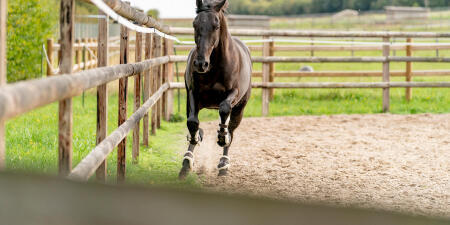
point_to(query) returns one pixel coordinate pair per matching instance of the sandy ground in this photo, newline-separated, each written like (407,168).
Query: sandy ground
(390,162)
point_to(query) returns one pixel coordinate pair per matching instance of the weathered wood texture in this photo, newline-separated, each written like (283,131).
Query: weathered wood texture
(90,163)
(317,34)
(168,77)
(45,201)
(67,20)
(3,19)
(137,99)
(21,97)
(265,78)
(102,91)
(408,94)
(147,88)
(294,85)
(386,77)
(155,81)
(123,92)
(125,10)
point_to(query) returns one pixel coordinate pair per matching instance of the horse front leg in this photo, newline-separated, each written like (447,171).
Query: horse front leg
(194,137)
(225,135)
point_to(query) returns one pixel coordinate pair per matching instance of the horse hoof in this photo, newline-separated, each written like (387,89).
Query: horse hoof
(223,173)
(185,170)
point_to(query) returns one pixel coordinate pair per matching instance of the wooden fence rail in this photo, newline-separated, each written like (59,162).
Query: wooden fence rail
(93,160)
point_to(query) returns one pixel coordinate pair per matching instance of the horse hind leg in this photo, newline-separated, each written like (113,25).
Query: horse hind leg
(234,121)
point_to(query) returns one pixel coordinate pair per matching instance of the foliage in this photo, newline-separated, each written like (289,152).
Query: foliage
(154,13)
(296,7)
(30,23)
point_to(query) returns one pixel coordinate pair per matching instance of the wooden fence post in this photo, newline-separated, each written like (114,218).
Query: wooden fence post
(78,54)
(50,57)
(159,84)
(89,55)
(266,79)
(408,93)
(102,90)
(83,54)
(137,98)
(386,75)
(66,18)
(168,77)
(272,68)
(147,87)
(3,19)
(123,90)
(155,83)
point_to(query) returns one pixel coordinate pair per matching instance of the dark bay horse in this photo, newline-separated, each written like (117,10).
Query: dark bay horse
(218,76)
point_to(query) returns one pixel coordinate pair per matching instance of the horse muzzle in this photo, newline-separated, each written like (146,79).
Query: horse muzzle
(201,65)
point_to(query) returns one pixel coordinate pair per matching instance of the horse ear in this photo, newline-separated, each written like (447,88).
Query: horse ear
(199,4)
(220,5)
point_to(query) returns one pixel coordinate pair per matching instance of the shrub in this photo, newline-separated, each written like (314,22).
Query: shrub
(30,23)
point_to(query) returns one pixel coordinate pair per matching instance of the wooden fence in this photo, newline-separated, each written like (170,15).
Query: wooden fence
(269,49)
(77,73)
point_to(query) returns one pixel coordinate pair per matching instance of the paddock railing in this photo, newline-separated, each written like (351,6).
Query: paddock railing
(88,68)
(268,50)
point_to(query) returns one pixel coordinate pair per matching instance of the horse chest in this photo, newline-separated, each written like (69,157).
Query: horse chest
(210,96)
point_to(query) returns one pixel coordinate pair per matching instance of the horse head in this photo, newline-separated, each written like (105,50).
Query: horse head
(207,26)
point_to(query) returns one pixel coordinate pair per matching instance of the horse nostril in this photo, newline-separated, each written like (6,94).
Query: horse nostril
(195,63)
(205,65)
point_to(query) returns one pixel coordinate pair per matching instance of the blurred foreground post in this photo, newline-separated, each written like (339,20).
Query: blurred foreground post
(3,17)
(66,21)
(102,90)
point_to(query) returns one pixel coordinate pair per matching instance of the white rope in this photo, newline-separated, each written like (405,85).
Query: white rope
(49,64)
(91,53)
(121,20)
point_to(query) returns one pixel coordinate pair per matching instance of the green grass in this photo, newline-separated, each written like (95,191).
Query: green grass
(32,144)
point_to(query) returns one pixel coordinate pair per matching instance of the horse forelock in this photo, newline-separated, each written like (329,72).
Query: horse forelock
(209,7)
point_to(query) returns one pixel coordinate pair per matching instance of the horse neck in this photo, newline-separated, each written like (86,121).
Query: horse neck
(225,47)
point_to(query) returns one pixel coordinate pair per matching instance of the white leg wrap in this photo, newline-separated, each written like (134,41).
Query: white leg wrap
(227,136)
(190,157)
(226,166)
(196,138)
